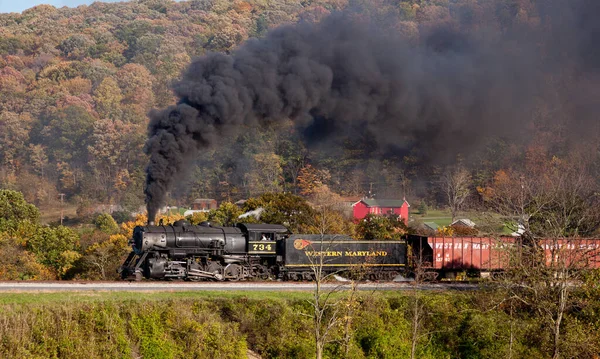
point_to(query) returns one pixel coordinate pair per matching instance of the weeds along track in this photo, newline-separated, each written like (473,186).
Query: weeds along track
(62,286)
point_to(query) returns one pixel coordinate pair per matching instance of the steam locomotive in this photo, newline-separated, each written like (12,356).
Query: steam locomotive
(252,251)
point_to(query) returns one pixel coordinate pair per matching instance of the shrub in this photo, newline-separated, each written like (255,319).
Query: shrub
(423,208)
(106,223)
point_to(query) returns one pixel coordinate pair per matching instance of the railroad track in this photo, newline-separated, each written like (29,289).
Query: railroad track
(152,286)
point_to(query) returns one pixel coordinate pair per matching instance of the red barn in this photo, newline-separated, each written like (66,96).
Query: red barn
(204,204)
(381,207)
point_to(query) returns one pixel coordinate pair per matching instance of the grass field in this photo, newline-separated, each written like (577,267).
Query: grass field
(52,214)
(90,297)
(440,217)
(102,296)
(444,218)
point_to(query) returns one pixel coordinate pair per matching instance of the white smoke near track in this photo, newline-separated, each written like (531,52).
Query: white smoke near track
(255,213)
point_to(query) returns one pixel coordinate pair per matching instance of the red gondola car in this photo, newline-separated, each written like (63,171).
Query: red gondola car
(450,255)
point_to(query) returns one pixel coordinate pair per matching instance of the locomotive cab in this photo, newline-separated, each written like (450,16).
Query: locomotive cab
(263,238)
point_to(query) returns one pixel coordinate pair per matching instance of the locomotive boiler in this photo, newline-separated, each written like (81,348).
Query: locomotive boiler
(194,252)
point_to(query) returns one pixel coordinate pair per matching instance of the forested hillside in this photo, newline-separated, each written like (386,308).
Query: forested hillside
(77,84)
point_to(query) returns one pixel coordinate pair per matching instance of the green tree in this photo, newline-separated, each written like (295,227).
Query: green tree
(56,248)
(106,223)
(131,31)
(14,210)
(374,227)
(67,133)
(266,173)
(108,98)
(76,46)
(423,208)
(282,208)
(226,215)
(38,158)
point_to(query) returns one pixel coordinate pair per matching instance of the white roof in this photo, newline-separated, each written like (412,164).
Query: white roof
(464,221)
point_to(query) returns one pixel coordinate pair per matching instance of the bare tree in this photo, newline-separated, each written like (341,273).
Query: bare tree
(333,305)
(351,304)
(562,220)
(455,183)
(326,305)
(418,314)
(552,209)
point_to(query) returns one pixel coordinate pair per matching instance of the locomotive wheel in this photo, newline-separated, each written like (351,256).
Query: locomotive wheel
(215,268)
(392,275)
(262,272)
(233,272)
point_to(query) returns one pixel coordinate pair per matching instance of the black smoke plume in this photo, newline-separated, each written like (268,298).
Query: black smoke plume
(441,93)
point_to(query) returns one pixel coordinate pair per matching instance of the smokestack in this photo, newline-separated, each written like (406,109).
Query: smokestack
(441,94)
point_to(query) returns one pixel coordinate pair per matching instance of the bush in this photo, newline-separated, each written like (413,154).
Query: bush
(453,325)
(56,248)
(374,227)
(122,216)
(14,210)
(106,223)
(464,231)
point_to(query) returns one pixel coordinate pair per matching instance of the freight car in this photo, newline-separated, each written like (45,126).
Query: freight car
(184,251)
(482,256)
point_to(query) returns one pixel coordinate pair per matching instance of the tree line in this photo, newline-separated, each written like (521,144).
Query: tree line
(76,85)
(96,248)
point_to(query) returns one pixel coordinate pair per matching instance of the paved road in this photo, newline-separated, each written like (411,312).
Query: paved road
(209,286)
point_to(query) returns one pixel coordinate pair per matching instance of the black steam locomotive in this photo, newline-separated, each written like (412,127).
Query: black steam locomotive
(246,251)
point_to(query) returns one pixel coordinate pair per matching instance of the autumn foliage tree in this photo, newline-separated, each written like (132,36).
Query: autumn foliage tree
(66,72)
(311,179)
(106,256)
